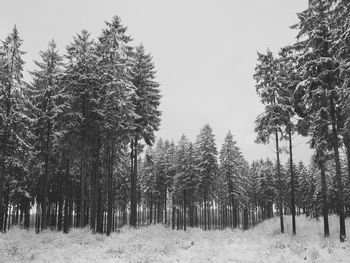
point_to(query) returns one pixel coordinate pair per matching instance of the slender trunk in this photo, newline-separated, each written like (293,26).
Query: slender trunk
(185,205)
(292,178)
(209,220)
(324,199)
(165,206)
(279,184)
(205,210)
(173,212)
(151,211)
(45,183)
(82,186)
(66,222)
(177,219)
(2,179)
(110,189)
(26,214)
(133,195)
(60,203)
(347,146)
(340,197)
(245,218)
(99,223)
(93,196)
(6,206)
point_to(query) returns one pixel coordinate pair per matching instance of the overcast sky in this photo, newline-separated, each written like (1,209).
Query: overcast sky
(204,52)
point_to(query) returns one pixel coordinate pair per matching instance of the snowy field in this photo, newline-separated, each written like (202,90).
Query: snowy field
(159,244)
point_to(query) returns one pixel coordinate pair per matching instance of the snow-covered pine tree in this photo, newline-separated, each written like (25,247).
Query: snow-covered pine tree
(341,38)
(159,162)
(13,141)
(320,81)
(275,117)
(115,68)
(147,115)
(42,96)
(207,168)
(78,83)
(230,164)
(269,189)
(170,171)
(185,179)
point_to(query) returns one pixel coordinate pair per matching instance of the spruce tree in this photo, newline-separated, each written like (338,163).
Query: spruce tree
(42,95)
(146,121)
(321,80)
(12,140)
(207,168)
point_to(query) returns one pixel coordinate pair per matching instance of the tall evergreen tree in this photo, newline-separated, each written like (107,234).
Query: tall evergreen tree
(207,167)
(275,116)
(42,95)
(12,141)
(147,118)
(321,80)
(230,164)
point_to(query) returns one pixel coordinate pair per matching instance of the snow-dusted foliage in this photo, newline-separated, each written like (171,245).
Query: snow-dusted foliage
(159,244)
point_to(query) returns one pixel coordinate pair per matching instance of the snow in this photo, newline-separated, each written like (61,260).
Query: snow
(263,243)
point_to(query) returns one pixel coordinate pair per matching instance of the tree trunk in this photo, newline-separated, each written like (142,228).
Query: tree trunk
(346,140)
(82,185)
(99,223)
(67,201)
(279,184)
(185,205)
(110,189)
(173,212)
(205,210)
(60,203)
(324,198)
(292,178)
(340,197)
(165,206)
(133,181)
(2,179)
(44,192)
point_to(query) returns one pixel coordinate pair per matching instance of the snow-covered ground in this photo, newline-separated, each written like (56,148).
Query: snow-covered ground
(159,244)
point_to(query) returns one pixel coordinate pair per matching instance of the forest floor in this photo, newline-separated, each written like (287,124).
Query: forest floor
(263,243)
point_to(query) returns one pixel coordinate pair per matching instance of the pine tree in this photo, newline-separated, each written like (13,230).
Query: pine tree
(79,79)
(341,36)
(230,164)
(207,167)
(146,101)
(12,137)
(42,96)
(185,177)
(275,116)
(321,77)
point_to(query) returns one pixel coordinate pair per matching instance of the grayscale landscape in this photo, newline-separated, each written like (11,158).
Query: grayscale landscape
(174,131)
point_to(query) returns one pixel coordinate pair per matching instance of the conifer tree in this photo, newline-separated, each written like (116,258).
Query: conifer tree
(275,116)
(207,167)
(12,137)
(42,95)
(320,81)
(230,164)
(146,122)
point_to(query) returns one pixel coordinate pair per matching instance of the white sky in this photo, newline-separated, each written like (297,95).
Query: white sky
(204,52)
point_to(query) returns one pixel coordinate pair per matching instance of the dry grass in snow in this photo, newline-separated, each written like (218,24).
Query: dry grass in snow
(263,243)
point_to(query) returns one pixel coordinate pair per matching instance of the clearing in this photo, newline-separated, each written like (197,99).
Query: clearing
(159,244)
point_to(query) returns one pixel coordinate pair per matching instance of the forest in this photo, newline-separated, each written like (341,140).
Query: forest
(78,145)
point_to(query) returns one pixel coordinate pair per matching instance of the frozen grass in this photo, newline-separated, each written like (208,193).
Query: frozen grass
(158,244)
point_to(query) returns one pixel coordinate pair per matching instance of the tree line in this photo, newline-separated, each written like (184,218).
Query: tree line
(65,135)
(305,90)
(72,141)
